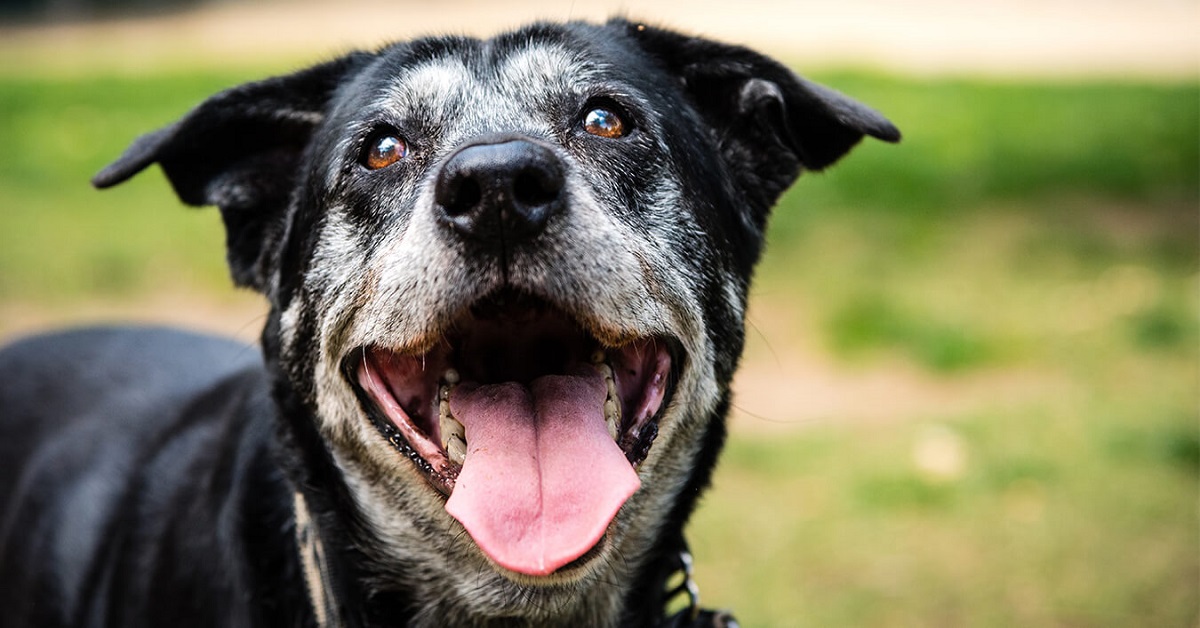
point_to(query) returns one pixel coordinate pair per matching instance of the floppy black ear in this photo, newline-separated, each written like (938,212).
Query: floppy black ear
(769,121)
(240,150)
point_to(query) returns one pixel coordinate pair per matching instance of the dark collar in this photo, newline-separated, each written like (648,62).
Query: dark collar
(690,616)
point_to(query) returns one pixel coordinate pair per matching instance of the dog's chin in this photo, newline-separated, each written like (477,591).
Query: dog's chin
(529,425)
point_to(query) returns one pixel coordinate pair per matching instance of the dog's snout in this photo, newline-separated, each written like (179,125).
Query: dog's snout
(500,192)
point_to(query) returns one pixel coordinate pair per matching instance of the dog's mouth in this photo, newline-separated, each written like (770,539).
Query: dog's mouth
(529,424)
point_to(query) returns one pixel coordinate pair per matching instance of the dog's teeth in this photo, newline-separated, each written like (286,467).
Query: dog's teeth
(454,437)
(450,377)
(450,425)
(456,449)
(598,357)
(451,428)
(612,410)
(611,417)
(612,393)
(604,370)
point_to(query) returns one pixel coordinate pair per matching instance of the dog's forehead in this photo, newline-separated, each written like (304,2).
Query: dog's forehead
(490,80)
(530,72)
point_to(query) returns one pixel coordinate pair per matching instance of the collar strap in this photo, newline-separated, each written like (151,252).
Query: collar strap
(683,566)
(316,567)
(691,616)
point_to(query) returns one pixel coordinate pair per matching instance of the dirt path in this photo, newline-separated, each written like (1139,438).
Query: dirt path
(788,380)
(1022,37)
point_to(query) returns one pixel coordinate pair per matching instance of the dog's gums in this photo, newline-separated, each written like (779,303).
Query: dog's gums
(529,426)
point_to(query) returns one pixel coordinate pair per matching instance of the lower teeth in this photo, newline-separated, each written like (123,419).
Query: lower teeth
(610,418)
(454,436)
(612,410)
(456,449)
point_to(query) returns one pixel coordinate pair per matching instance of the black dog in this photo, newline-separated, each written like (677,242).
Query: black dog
(507,283)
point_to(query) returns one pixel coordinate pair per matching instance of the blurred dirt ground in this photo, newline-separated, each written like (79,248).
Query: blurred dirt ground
(1023,37)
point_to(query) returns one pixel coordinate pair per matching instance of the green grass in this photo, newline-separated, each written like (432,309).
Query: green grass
(971,143)
(1054,520)
(59,238)
(1039,231)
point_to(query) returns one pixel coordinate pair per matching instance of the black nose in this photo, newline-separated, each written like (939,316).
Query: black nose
(501,192)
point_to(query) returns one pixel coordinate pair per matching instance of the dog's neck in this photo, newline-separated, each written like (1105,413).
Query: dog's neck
(646,609)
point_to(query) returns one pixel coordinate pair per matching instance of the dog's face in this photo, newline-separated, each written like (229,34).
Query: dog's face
(508,281)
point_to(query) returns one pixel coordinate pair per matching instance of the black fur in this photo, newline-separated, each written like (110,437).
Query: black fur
(146,476)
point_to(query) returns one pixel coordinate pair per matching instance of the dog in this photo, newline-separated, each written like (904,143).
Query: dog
(507,281)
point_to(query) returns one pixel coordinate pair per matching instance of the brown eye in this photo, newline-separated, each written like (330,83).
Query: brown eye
(385,150)
(604,123)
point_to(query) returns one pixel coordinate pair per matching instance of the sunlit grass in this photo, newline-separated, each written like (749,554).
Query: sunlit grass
(1052,518)
(59,238)
(972,143)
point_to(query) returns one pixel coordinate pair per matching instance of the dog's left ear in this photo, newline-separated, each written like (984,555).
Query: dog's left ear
(767,119)
(240,150)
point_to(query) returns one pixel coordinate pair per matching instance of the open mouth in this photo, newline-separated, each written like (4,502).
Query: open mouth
(529,424)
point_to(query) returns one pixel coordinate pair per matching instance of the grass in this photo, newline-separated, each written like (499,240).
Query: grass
(1041,230)
(60,239)
(1049,522)
(971,143)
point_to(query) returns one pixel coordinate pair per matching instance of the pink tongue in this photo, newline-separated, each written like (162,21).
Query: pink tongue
(542,477)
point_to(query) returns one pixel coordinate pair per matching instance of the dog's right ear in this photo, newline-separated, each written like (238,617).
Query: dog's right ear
(240,150)
(768,122)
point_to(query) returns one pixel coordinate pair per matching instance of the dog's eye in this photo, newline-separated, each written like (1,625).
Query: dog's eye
(384,150)
(604,123)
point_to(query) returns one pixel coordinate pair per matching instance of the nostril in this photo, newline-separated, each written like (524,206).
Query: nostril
(534,187)
(463,196)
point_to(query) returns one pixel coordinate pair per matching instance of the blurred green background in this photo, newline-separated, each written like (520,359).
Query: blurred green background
(971,392)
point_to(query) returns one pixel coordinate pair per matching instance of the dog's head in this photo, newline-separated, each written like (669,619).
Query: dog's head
(508,280)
